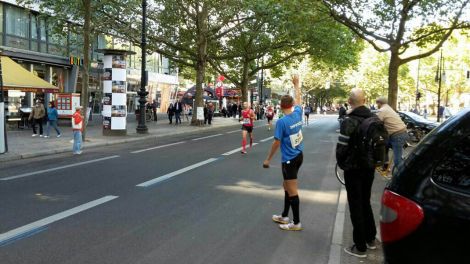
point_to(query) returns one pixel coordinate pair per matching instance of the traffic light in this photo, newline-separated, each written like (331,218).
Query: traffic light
(418,95)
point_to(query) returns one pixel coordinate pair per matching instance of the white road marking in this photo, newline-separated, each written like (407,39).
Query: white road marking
(236,150)
(230,132)
(337,239)
(216,135)
(266,139)
(175,173)
(157,147)
(57,168)
(12,234)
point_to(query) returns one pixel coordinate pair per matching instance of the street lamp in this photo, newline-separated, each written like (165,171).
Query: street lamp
(440,67)
(3,131)
(141,127)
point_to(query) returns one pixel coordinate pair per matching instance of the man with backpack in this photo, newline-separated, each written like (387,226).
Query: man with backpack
(361,147)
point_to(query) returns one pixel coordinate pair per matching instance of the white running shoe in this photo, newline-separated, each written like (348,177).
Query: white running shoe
(59,135)
(34,135)
(281,220)
(291,227)
(46,136)
(41,136)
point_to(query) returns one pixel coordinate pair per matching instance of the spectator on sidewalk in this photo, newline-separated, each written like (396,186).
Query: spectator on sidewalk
(37,117)
(358,178)
(396,128)
(52,117)
(170,111)
(208,113)
(154,109)
(178,108)
(77,127)
(234,110)
(186,112)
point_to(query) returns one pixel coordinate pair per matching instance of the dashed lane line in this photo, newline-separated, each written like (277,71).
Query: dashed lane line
(175,173)
(211,136)
(266,139)
(57,168)
(157,147)
(36,227)
(236,150)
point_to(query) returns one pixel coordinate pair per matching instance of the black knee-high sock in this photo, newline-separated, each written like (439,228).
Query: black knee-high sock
(285,213)
(295,202)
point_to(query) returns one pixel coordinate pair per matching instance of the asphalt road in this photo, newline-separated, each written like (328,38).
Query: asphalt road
(179,200)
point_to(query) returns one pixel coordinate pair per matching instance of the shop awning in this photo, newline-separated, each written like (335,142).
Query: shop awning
(16,77)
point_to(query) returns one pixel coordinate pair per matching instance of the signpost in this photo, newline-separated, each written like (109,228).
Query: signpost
(3,130)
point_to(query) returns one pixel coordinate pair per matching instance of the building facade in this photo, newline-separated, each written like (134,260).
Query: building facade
(28,39)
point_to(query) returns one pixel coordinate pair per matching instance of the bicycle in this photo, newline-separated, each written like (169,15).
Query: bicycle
(148,114)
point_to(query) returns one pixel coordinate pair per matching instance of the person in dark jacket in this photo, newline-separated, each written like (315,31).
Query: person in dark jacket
(178,108)
(52,117)
(234,110)
(358,179)
(170,111)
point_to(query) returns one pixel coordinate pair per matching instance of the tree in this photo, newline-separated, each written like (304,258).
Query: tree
(78,16)
(282,33)
(395,26)
(184,30)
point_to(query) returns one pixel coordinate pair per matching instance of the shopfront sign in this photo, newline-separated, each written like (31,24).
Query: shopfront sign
(75,61)
(219,86)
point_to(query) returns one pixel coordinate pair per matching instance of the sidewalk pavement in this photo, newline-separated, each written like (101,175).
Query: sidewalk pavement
(22,145)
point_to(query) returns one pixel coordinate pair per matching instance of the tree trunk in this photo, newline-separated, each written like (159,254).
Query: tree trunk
(86,61)
(244,82)
(202,30)
(393,80)
(199,102)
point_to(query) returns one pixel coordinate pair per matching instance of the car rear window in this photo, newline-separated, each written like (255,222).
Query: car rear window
(453,171)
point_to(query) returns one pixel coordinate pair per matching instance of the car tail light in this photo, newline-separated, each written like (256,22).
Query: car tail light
(399,216)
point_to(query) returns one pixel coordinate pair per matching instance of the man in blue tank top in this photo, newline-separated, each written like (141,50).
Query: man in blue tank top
(288,137)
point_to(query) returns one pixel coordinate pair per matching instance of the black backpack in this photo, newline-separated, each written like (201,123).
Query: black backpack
(371,142)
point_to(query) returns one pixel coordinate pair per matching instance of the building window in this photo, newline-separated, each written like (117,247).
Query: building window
(17,27)
(34,33)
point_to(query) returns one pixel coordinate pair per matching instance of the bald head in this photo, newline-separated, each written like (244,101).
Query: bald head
(356,98)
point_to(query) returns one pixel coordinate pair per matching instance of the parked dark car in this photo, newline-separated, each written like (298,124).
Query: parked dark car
(417,125)
(425,215)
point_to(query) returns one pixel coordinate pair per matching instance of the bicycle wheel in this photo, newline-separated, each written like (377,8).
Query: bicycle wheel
(339,174)
(148,116)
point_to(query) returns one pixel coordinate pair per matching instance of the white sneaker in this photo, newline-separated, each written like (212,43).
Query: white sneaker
(46,136)
(34,135)
(291,227)
(59,135)
(281,220)
(41,136)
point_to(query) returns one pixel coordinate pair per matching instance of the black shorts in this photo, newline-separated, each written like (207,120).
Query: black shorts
(291,167)
(248,129)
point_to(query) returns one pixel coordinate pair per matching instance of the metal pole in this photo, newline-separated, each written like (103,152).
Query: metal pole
(417,85)
(261,82)
(141,127)
(439,88)
(2,104)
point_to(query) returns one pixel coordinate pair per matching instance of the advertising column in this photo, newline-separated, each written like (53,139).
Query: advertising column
(114,92)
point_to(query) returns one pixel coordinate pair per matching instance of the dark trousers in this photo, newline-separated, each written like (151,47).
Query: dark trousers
(39,122)
(208,119)
(154,115)
(359,186)
(170,117)
(177,117)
